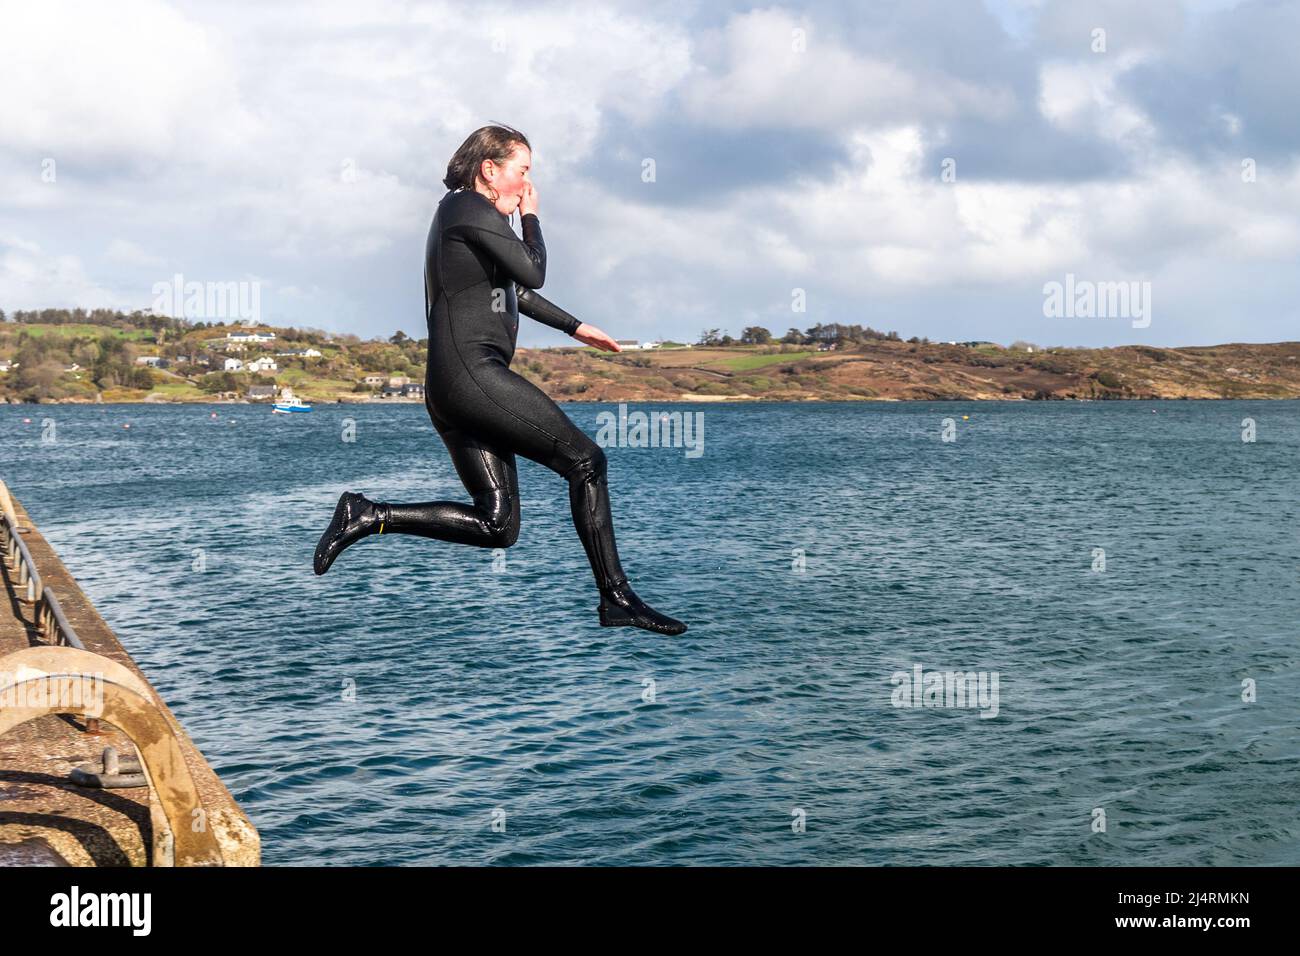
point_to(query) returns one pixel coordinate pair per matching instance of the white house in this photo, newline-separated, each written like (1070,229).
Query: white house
(263,364)
(148,360)
(302,353)
(250,336)
(234,365)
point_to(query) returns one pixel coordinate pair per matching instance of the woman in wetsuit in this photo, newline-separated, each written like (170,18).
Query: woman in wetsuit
(478,277)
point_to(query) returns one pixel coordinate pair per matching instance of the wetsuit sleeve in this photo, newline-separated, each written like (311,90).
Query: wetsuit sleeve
(523,261)
(544,311)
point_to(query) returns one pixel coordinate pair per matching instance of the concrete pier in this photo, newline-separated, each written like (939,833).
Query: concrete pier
(48,820)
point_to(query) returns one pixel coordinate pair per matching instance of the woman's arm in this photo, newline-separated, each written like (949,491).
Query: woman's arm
(523,261)
(544,311)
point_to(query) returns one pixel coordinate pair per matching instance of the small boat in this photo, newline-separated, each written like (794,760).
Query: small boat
(293,404)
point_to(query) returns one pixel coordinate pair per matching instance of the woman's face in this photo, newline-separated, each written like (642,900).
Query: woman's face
(508,179)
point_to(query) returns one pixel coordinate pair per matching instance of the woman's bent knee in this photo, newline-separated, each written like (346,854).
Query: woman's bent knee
(592,463)
(500,518)
(508,534)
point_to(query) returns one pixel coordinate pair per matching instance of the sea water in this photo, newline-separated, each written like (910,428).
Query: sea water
(1122,577)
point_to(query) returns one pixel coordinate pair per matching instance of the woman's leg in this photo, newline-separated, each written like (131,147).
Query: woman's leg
(509,412)
(490,477)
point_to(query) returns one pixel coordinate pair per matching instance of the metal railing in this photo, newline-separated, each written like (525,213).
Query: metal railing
(51,622)
(20,560)
(128,705)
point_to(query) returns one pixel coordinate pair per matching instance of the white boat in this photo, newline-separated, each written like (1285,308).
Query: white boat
(291,404)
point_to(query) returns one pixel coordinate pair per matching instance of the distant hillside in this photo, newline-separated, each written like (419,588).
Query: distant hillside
(88,357)
(99,358)
(901,370)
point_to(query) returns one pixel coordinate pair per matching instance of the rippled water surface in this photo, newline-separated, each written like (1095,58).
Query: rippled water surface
(391,710)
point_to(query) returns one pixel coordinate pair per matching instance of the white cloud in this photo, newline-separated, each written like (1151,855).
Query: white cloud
(32,279)
(882,222)
(132,83)
(1080,95)
(128,253)
(306,143)
(769,81)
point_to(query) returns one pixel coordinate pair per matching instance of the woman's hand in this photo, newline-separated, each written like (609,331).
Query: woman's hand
(594,336)
(528,200)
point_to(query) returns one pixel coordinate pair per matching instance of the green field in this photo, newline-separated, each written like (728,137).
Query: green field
(37,330)
(747,363)
(304,382)
(177,390)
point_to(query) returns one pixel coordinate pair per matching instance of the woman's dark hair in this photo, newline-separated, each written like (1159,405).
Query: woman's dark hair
(495,142)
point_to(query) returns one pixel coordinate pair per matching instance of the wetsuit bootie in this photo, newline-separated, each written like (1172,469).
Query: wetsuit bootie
(620,606)
(355,517)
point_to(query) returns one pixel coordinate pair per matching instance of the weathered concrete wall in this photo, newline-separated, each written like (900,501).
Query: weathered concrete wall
(44,817)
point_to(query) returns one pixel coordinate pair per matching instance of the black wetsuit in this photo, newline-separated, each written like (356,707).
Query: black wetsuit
(479,277)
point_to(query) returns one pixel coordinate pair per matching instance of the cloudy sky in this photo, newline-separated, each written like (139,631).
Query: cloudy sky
(794,146)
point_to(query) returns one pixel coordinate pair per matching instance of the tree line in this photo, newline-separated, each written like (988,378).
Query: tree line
(833,333)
